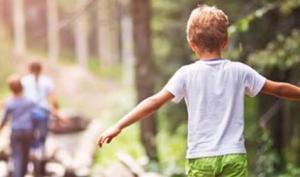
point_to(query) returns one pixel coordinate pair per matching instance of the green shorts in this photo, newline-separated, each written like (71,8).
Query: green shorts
(233,165)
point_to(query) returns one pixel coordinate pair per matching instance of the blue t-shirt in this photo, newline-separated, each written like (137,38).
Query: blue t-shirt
(19,110)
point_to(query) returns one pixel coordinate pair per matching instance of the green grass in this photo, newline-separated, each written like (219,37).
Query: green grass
(127,142)
(172,151)
(109,72)
(117,105)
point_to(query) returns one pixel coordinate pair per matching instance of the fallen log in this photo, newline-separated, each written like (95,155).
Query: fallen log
(134,167)
(75,151)
(71,124)
(129,162)
(117,170)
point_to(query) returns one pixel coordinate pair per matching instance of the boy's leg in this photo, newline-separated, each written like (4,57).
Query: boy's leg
(16,147)
(41,118)
(26,148)
(42,147)
(234,166)
(202,167)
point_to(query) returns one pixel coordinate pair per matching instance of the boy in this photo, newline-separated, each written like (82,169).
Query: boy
(19,110)
(213,89)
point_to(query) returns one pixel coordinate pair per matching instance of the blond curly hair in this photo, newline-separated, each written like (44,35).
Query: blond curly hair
(207,28)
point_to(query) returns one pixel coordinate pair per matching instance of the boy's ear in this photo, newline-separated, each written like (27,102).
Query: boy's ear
(193,46)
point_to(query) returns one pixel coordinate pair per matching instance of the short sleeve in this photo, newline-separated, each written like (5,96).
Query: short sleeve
(176,85)
(253,81)
(49,85)
(8,106)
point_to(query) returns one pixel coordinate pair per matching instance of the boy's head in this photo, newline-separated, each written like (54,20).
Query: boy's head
(35,68)
(14,84)
(207,29)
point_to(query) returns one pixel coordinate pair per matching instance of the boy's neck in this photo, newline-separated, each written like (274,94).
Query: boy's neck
(208,55)
(17,95)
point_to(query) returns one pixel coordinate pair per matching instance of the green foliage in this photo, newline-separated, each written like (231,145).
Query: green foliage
(172,151)
(127,142)
(291,171)
(288,6)
(171,140)
(111,72)
(282,53)
(243,24)
(265,165)
(169,38)
(268,160)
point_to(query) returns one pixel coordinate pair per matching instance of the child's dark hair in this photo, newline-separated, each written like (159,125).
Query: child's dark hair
(35,67)
(14,84)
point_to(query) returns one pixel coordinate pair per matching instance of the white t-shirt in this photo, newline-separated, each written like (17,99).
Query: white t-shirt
(214,94)
(38,91)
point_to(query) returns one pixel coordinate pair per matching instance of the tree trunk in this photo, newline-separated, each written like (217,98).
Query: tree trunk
(1,18)
(144,70)
(81,36)
(53,33)
(127,47)
(19,27)
(108,32)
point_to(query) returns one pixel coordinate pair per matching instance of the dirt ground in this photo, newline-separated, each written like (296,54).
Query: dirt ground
(83,93)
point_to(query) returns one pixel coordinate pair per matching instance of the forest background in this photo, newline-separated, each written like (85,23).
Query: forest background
(139,44)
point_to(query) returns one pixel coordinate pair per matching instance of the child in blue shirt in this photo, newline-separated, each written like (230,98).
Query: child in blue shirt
(18,110)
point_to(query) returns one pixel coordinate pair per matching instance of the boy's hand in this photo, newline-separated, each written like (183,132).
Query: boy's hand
(108,135)
(142,110)
(57,117)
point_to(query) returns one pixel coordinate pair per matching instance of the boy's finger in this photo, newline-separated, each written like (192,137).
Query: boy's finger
(106,139)
(109,139)
(99,142)
(102,140)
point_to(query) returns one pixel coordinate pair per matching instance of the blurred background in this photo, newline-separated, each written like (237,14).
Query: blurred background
(105,56)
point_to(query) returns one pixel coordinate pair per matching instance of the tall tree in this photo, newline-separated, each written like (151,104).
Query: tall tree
(108,32)
(81,36)
(127,45)
(1,17)
(53,32)
(144,74)
(36,24)
(19,27)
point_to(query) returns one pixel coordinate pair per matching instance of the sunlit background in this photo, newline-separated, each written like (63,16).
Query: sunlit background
(106,55)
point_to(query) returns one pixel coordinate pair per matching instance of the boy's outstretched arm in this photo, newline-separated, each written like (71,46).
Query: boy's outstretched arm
(142,110)
(282,90)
